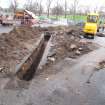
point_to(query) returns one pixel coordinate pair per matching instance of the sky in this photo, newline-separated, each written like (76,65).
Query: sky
(90,3)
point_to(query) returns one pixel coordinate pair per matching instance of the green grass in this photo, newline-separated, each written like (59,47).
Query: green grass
(77,17)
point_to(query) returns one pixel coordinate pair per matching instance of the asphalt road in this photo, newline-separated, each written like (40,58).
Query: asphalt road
(5,29)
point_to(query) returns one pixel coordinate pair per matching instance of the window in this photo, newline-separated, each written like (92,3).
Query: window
(92,19)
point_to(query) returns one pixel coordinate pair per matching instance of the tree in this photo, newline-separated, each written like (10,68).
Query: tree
(31,6)
(1,10)
(87,10)
(71,10)
(95,9)
(57,10)
(40,7)
(13,5)
(74,7)
(102,11)
(35,7)
(49,2)
(65,8)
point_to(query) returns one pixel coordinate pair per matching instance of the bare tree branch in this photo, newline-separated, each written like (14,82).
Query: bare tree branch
(13,5)
(49,2)
(65,8)
(57,10)
(35,6)
(74,7)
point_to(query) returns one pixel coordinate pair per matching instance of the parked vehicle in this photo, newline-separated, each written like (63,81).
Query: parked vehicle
(26,17)
(7,20)
(1,19)
(91,25)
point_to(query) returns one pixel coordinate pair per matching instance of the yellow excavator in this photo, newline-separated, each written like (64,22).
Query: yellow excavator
(91,25)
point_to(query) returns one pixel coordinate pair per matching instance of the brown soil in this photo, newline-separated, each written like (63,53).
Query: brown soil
(14,46)
(17,44)
(64,40)
(66,43)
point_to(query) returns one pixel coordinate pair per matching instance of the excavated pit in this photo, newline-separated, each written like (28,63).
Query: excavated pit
(61,40)
(29,66)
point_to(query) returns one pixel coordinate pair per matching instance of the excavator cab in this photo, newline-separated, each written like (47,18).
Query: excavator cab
(91,25)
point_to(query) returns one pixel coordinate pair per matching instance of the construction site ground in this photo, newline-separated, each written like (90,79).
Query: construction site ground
(71,72)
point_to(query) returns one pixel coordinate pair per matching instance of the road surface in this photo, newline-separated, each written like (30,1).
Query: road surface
(5,29)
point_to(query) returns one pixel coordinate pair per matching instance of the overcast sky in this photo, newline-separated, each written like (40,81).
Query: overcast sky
(90,3)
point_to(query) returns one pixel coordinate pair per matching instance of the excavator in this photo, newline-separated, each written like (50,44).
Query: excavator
(92,25)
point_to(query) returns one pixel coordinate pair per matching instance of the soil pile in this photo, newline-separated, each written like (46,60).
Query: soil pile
(69,43)
(14,46)
(66,43)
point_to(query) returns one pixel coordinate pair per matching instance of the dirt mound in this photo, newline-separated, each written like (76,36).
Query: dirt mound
(15,45)
(53,28)
(24,33)
(66,43)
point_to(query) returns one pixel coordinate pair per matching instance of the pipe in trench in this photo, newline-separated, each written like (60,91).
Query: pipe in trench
(29,74)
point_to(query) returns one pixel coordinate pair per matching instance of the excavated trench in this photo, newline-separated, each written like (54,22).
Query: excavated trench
(29,66)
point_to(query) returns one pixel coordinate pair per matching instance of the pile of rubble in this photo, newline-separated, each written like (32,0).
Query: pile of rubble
(101,65)
(67,43)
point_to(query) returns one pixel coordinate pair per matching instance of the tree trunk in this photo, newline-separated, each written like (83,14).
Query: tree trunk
(65,8)
(48,13)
